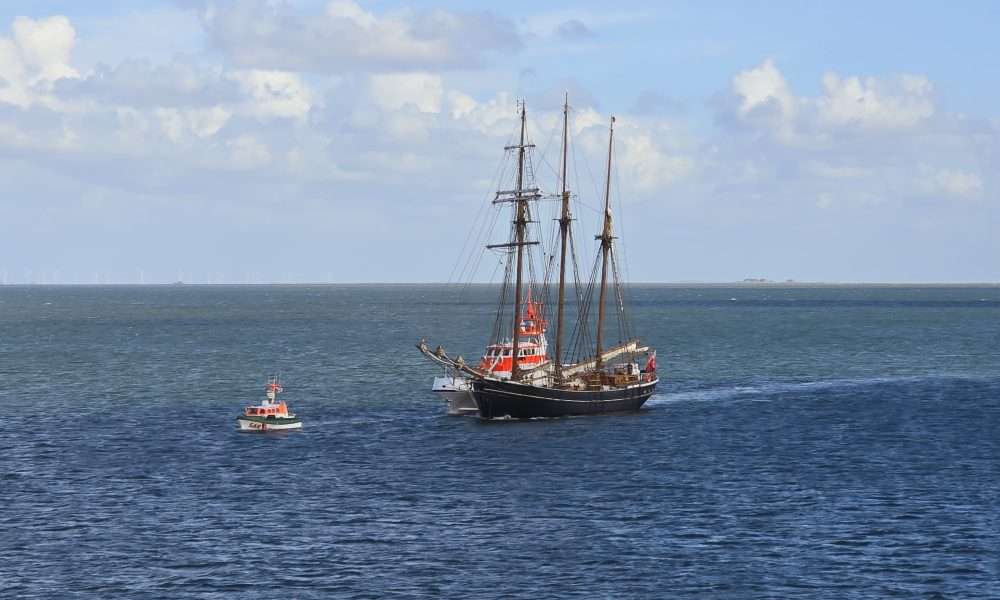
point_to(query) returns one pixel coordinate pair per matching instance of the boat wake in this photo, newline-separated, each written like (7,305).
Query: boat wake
(760,391)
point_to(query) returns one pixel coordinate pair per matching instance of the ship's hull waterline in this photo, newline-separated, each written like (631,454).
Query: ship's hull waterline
(510,400)
(258,424)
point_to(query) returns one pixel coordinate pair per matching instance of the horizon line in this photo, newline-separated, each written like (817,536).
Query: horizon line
(679,283)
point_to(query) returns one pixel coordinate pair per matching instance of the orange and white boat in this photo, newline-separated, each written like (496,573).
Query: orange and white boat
(532,350)
(498,360)
(269,415)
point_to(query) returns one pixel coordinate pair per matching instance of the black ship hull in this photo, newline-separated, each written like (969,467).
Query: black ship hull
(507,399)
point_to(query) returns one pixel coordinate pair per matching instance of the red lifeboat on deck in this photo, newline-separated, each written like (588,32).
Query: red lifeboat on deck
(532,346)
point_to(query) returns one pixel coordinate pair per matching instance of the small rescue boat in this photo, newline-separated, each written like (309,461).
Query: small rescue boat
(269,415)
(457,391)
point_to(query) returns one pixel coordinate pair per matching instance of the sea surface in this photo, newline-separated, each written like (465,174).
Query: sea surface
(808,442)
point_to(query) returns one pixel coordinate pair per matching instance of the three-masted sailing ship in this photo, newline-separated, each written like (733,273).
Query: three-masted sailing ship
(517,376)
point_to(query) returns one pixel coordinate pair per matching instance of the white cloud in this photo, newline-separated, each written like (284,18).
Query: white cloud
(650,152)
(765,98)
(649,166)
(765,102)
(494,117)
(178,124)
(586,118)
(902,102)
(36,55)
(408,126)
(950,182)
(347,38)
(460,105)
(45,46)
(345,9)
(207,122)
(247,152)
(139,83)
(276,93)
(764,85)
(393,91)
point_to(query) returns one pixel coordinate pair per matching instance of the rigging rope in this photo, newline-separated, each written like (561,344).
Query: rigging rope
(497,177)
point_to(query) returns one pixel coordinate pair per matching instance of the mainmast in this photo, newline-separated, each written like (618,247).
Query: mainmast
(605,238)
(520,223)
(564,220)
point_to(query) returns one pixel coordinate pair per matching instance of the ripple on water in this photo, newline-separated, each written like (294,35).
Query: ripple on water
(758,469)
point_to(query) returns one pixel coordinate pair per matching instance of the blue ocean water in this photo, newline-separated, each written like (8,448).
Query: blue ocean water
(828,442)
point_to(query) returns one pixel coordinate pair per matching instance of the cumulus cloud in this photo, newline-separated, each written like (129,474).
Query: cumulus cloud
(862,143)
(35,55)
(205,120)
(177,124)
(901,102)
(196,112)
(246,152)
(276,93)
(347,38)
(493,117)
(651,154)
(950,182)
(393,91)
(646,164)
(762,99)
(764,86)
(124,124)
(139,83)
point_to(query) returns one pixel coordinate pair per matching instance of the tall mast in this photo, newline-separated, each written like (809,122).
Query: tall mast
(520,222)
(605,238)
(564,220)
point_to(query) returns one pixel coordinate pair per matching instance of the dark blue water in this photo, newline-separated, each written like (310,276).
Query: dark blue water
(806,442)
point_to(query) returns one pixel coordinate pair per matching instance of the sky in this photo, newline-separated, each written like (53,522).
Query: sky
(259,141)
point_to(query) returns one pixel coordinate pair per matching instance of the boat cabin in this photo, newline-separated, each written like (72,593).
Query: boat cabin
(532,347)
(267,410)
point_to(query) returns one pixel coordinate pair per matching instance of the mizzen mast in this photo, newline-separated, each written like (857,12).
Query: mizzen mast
(605,238)
(564,220)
